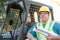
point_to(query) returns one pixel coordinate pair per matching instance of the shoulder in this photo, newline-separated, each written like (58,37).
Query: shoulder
(56,28)
(57,24)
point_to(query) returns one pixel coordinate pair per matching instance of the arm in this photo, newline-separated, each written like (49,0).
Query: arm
(31,35)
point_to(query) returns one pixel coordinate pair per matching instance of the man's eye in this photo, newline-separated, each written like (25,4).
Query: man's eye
(45,13)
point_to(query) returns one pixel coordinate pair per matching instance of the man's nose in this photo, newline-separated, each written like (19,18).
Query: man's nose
(42,14)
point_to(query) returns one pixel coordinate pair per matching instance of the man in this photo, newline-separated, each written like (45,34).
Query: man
(45,23)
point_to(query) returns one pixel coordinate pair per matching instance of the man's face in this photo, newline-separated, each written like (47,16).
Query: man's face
(44,15)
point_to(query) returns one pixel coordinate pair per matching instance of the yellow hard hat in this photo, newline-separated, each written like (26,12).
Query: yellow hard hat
(44,8)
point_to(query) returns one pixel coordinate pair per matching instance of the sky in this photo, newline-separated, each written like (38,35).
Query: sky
(56,7)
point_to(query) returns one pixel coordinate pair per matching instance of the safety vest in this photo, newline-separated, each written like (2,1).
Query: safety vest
(48,26)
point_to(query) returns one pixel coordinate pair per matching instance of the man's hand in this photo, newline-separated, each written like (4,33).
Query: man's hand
(52,37)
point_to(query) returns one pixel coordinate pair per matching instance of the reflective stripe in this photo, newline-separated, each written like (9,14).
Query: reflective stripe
(47,27)
(52,27)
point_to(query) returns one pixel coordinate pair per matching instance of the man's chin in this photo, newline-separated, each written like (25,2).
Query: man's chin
(44,19)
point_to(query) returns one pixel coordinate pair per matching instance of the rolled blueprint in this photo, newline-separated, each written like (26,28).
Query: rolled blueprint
(43,31)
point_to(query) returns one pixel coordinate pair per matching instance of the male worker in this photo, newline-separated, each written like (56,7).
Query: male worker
(45,23)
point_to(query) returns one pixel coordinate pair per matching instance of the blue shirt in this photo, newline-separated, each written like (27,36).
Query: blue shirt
(56,29)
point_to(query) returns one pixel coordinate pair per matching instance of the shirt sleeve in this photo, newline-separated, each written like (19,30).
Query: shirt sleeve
(32,32)
(56,28)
